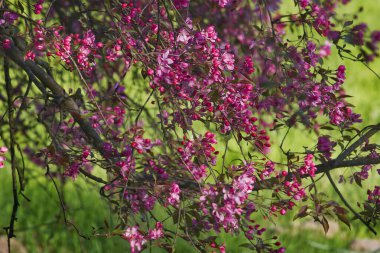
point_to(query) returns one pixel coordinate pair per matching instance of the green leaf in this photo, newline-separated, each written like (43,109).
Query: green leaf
(188,220)
(214,95)
(357,179)
(325,224)
(269,85)
(345,96)
(210,239)
(344,219)
(277,126)
(247,245)
(175,216)
(348,23)
(106,223)
(117,232)
(301,213)
(327,128)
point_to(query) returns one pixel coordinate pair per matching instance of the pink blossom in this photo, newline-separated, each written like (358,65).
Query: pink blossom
(88,39)
(174,197)
(228,60)
(142,145)
(304,3)
(157,232)
(374,196)
(309,166)
(8,18)
(180,4)
(135,238)
(183,36)
(325,50)
(6,43)
(357,34)
(223,3)
(38,7)
(3,150)
(30,56)
(325,146)
(210,33)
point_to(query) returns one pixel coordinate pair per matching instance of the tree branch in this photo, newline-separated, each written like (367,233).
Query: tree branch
(347,204)
(35,71)
(321,168)
(332,164)
(8,86)
(373,130)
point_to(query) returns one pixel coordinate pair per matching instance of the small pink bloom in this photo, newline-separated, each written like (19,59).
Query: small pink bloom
(135,238)
(157,232)
(3,150)
(174,197)
(229,61)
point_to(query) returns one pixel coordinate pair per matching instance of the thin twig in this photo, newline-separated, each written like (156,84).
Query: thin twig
(8,85)
(347,204)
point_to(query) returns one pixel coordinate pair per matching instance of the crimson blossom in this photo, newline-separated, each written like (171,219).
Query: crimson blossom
(171,107)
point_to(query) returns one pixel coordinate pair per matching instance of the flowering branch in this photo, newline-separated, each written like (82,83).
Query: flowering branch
(333,164)
(166,84)
(59,93)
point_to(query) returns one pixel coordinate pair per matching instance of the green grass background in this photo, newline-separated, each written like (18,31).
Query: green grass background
(39,230)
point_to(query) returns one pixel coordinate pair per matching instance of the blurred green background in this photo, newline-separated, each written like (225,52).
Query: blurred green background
(40,226)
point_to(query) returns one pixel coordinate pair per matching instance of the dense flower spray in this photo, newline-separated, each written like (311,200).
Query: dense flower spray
(177,101)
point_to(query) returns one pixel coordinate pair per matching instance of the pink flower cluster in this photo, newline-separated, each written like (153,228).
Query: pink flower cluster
(209,74)
(8,18)
(374,195)
(223,3)
(143,145)
(82,162)
(325,146)
(3,150)
(74,50)
(191,150)
(363,173)
(174,195)
(325,49)
(38,7)
(140,201)
(225,209)
(294,189)
(304,3)
(309,167)
(181,4)
(322,23)
(137,239)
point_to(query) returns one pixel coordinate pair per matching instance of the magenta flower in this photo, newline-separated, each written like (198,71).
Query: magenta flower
(325,146)
(3,150)
(135,238)
(8,18)
(180,4)
(174,197)
(157,232)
